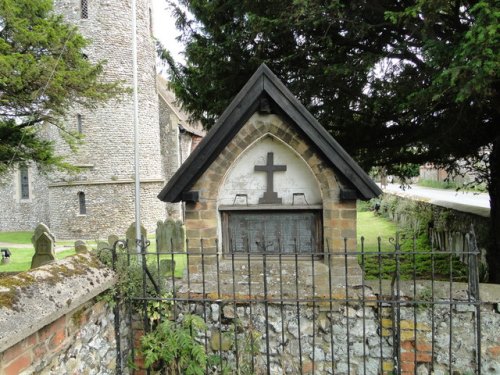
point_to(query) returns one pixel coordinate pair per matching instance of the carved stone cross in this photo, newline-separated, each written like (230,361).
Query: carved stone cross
(270,196)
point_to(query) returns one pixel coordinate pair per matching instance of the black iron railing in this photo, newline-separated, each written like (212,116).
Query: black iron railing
(363,311)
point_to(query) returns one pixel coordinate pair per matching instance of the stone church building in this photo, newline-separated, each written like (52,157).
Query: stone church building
(99,200)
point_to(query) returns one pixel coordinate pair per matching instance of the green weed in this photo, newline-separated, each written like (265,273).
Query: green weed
(174,346)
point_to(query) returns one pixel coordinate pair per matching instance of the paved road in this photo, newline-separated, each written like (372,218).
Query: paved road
(476,203)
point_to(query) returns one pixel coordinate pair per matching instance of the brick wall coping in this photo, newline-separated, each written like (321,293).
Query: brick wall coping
(30,300)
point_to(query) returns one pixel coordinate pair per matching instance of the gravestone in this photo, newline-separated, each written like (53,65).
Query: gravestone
(81,247)
(166,266)
(43,241)
(112,238)
(131,237)
(170,236)
(102,245)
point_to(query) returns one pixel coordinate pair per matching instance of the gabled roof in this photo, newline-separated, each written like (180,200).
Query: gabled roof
(264,84)
(168,98)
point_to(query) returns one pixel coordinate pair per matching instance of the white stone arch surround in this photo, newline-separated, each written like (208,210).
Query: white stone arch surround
(241,178)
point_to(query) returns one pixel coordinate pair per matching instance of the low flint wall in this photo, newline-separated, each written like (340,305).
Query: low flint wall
(359,336)
(447,224)
(52,321)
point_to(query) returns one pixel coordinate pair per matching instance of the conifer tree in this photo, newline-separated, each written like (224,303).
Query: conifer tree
(43,72)
(397,83)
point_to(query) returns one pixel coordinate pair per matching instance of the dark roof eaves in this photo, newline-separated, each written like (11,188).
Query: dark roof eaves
(326,143)
(230,122)
(216,137)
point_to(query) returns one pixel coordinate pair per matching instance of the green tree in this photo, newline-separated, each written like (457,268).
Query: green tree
(43,72)
(395,82)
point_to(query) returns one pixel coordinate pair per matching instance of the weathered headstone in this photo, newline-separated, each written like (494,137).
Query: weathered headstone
(102,245)
(131,237)
(179,237)
(43,241)
(167,266)
(81,247)
(170,236)
(112,238)
(164,232)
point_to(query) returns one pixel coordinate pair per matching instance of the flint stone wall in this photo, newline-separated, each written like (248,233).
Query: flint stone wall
(110,208)
(52,323)
(447,223)
(107,155)
(354,337)
(23,214)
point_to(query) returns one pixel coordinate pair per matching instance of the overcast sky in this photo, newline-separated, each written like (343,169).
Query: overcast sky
(164,29)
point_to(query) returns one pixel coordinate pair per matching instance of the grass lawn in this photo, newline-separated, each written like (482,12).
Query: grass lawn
(20,259)
(16,237)
(371,227)
(180,262)
(420,264)
(451,185)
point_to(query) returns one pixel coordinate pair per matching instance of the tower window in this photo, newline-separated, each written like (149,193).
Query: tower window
(84,8)
(79,123)
(25,182)
(82,203)
(150,22)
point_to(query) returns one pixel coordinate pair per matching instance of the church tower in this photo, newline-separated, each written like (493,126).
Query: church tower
(102,195)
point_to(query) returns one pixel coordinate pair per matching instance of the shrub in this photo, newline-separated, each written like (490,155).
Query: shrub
(173,345)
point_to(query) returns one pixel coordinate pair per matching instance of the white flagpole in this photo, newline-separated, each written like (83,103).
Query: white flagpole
(136,130)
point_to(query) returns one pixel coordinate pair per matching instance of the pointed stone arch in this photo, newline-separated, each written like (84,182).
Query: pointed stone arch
(241,178)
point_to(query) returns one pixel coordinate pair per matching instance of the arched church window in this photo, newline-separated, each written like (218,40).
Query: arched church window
(79,123)
(82,203)
(84,9)
(150,22)
(25,182)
